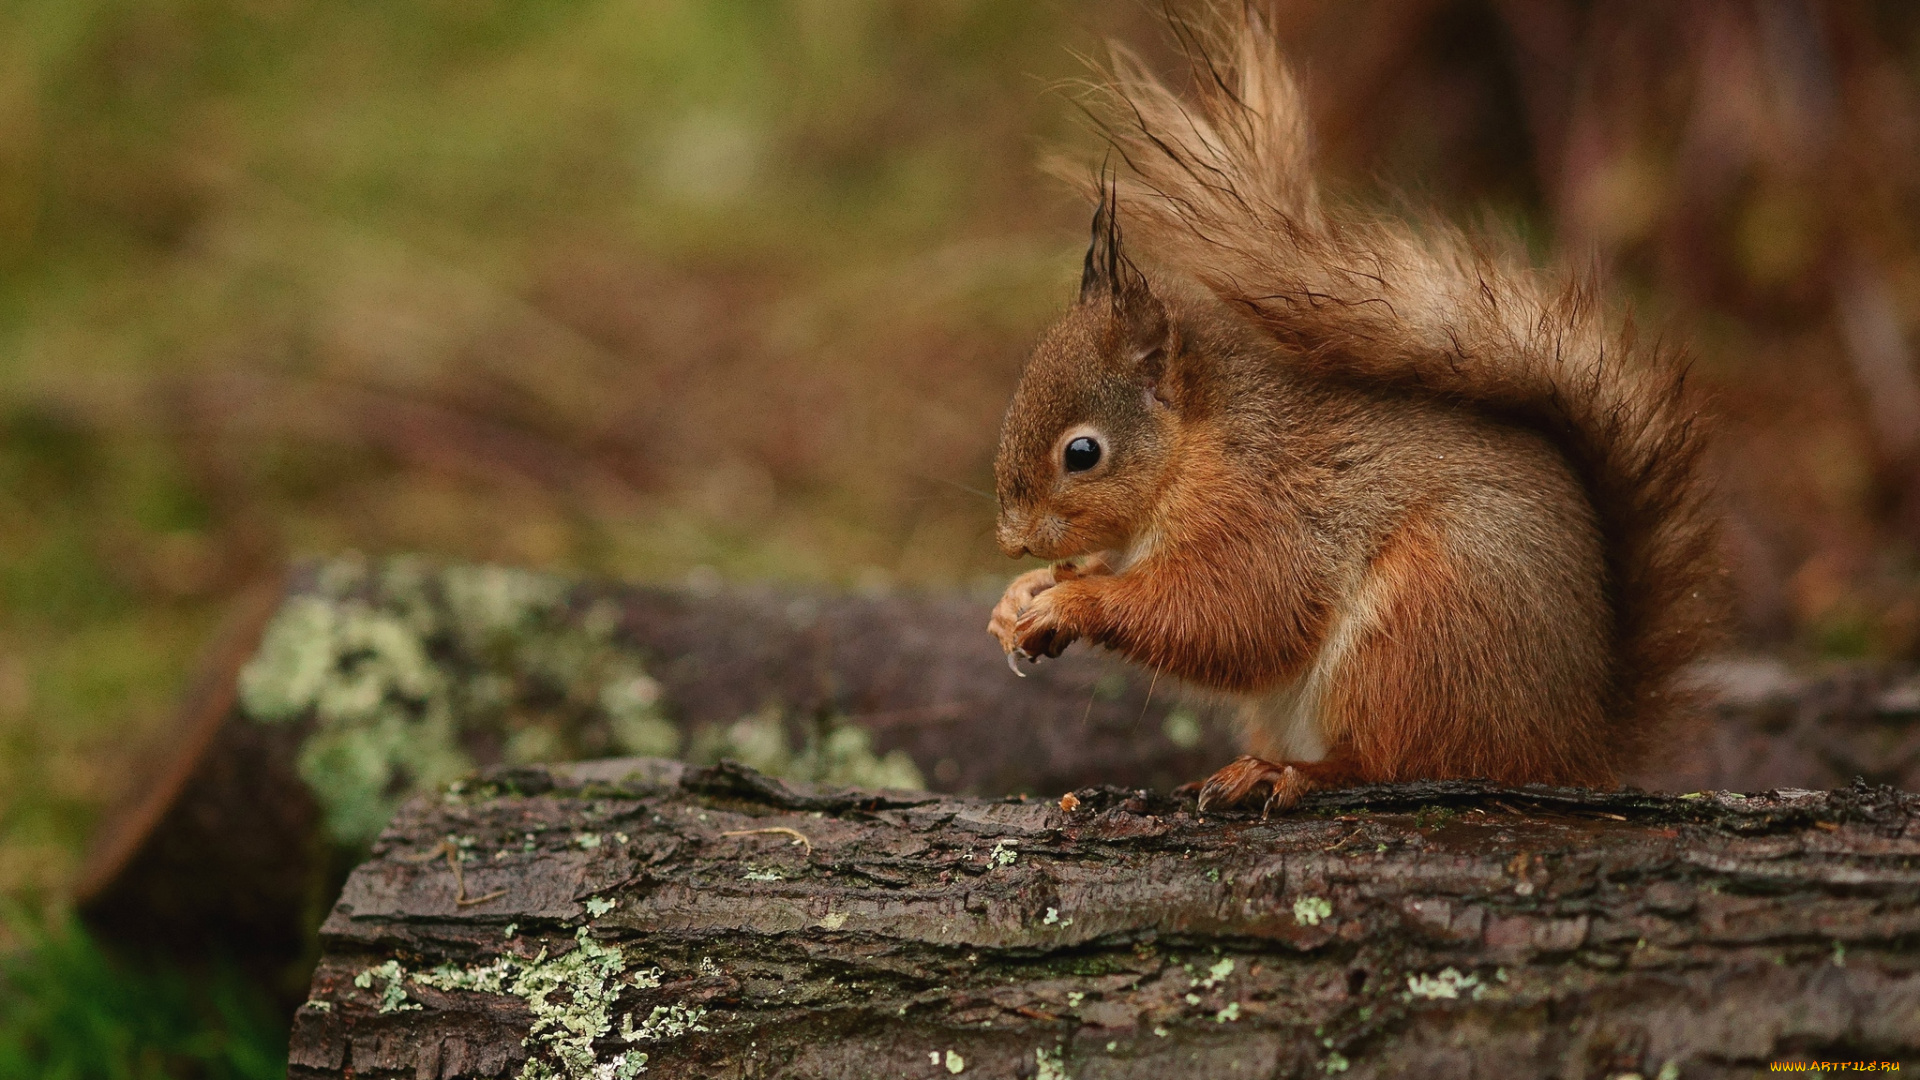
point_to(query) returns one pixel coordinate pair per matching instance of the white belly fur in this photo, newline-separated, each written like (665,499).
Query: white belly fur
(1292,718)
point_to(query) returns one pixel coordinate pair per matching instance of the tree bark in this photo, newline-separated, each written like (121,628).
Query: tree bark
(725,924)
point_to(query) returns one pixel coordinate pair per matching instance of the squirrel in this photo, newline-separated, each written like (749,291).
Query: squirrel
(1409,501)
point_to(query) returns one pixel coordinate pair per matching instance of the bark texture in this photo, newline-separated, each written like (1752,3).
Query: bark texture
(725,924)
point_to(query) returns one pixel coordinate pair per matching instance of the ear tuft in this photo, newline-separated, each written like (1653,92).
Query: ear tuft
(1107,271)
(1110,276)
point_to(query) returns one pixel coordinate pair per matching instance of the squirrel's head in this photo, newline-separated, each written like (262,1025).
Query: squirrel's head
(1087,439)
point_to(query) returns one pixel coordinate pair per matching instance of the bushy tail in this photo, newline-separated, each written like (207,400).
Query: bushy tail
(1219,186)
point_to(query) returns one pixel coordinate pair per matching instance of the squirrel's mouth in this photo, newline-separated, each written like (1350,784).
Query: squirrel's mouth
(1040,535)
(1047,536)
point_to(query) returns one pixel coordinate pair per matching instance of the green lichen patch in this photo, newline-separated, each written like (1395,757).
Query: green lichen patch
(1310,910)
(573,999)
(405,671)
(393,990)
(833,753)
(410,676)
(1219,971)
(491,978)
(1447,984)
(665,1022)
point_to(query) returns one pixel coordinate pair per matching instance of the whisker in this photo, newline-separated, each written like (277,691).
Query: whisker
(974,491)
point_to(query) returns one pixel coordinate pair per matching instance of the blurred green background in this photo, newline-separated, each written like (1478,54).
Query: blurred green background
(624,287)
(647,288)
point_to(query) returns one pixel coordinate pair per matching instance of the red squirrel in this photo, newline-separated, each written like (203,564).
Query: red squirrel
(1411,502)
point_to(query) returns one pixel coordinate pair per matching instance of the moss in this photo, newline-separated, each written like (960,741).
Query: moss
(71,1009)
(1091,965)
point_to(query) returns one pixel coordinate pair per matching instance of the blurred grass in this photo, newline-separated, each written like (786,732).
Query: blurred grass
(628,287)
(624,286)
(71,1012)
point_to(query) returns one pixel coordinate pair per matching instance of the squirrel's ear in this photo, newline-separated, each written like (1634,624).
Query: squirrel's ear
(1108,275)
(1107,271)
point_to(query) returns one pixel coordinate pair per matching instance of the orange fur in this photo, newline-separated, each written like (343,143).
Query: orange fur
(1398,710)
(1413,502)
(1217,602)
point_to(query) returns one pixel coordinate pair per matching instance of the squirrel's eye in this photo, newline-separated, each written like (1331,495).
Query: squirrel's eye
(1082,454)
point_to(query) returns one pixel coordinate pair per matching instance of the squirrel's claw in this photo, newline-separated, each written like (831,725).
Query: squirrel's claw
(1038,635)
(1237,784)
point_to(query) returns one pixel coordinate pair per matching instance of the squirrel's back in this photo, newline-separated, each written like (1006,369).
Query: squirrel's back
(1219,189)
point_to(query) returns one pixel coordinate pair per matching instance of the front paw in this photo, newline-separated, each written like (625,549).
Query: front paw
(1040,630)
(1020,595)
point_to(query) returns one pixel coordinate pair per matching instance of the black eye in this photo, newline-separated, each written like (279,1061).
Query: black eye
(1082,454)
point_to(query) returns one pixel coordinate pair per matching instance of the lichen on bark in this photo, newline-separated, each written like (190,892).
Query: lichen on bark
(408,673)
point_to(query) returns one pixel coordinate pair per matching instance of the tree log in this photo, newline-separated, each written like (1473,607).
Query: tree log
(597,919)
(224,845)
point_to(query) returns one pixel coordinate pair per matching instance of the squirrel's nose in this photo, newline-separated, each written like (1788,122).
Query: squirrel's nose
(1009,534)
